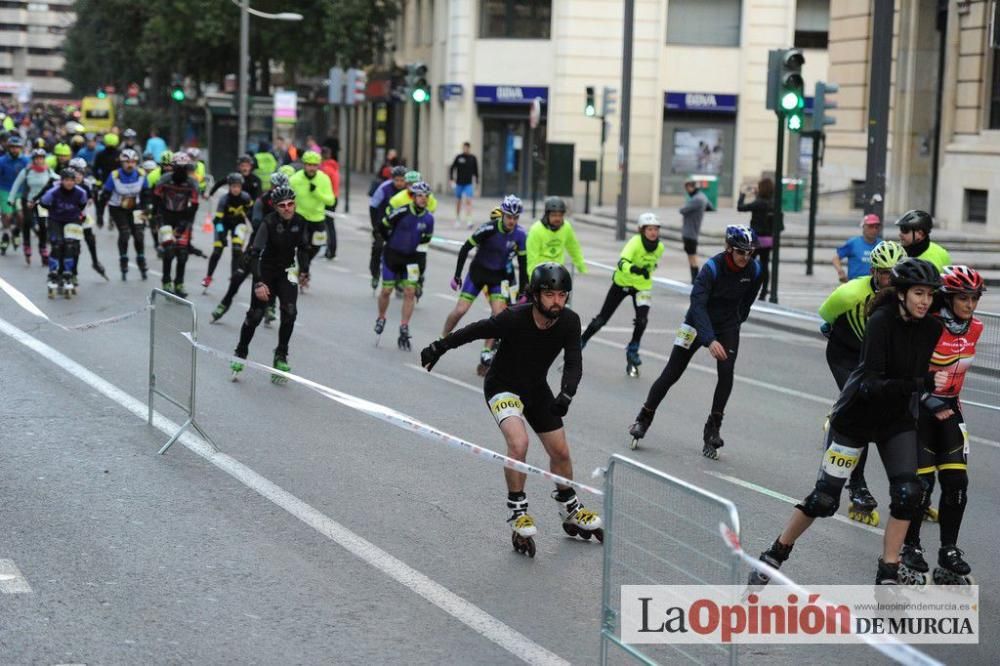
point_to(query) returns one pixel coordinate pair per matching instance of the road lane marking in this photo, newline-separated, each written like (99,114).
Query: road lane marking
(465,612)
(786,499)
(445,378)
(11,579)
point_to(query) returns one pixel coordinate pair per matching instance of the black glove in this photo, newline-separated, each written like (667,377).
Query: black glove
(312,187)
(430,354)
(934,404)
(638,270)
(561,405)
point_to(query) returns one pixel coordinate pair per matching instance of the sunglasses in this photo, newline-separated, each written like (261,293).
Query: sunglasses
(743,253)
(284,205)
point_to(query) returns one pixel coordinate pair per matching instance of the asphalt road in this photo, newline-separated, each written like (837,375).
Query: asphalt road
(326,536)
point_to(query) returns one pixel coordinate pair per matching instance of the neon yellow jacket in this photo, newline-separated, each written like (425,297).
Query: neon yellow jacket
(403,198)
(635,254)
(311,203)
(937,255)
(266,165)
(546,245)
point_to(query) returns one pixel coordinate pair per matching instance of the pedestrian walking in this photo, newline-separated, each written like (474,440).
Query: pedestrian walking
(692,213)
(464,176)
(761,211)
(858,249)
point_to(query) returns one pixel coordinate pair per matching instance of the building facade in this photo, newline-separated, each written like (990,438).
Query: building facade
(31,37)
(698,91)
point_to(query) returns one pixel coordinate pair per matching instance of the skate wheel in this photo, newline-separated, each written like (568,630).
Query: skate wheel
(599,533)
(235,376)
(585,534)
(634,444)
(931,515)
(570,529)
(873,518)
(710,452)
(908,576)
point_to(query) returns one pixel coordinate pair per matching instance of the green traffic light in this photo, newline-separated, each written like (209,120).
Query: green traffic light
(795,123)
(177,94)
(420,95)
(790,101)
(590,111)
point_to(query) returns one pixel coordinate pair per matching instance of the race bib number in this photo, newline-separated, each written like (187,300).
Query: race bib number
(412,272)
(88,222)
(686,335)
(965,438)
(505,288)
(644,298)
(73,232)
(513,294)
(319,238)
(506,404)
(242,232)
(839,460)
(41,211)
(293,274)
(128,203)
(166,233)
(423,247)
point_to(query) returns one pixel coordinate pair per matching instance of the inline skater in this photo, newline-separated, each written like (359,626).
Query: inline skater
(11,163)
(941,433)
(59,158)
(279,262)
(552,237)
(175,199)
(230,221)
(915,235)
(153,177)
(79,166)
(493,241)
(251,183)
(65,203)
(404,230)
(105,161)
(639,258)
(721,298)
(376,210)
(518,394)
(313,197)
(877,405)
(121,194)
(405,198)
(844,314)
(31,183)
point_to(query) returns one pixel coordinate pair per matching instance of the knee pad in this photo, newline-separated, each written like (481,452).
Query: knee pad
(927,484)
(954,484)
(289,310)
(905,494)
(822,502)
(73,248)
(255,316)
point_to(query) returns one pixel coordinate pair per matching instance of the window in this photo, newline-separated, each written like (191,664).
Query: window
(703,22)
(812,23)
(858,194)
(975,206)
(995,92)
(517,19)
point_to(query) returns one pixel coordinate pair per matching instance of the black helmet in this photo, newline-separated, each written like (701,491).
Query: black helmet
(398,171)
(554,205)
(246,158)
(282,193)
(68,174)
(916,220)
(550,276)
(912,272)
(234,179)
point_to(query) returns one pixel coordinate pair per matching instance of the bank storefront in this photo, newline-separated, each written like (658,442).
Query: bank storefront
(699,138)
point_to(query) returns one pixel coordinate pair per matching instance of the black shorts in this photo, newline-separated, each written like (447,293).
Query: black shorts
(535,404)
(690,245)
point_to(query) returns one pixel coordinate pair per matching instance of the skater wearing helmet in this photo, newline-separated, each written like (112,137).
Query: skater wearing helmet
(639,258)
(552,237)
(405,230)
(279,261)
(721,299)
(494,241)
(376,209)
(941,432)
(878,405)
(844,314)
(175,199)
(65,203)
(915,235)
(405,198)
(121,193)
(518,395)
(230,221)
(313,197)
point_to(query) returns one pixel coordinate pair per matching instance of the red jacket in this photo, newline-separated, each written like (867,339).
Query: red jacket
(332,169)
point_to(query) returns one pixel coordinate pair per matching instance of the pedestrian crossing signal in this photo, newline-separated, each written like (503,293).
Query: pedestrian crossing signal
(590,108)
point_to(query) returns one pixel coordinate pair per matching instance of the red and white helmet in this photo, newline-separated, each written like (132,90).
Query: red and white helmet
(961,280)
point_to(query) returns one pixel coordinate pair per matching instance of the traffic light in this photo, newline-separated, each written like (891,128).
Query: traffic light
(822,102)
(354,93)
(589,107)
(792,101)
(609,100)
(101,94)
(177,93)
(416,83)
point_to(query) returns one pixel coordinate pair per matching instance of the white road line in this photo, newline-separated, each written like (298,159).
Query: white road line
(469,614)
(828,402)
(446,378)
(11,579)
(786,499)
(986,442)
(148,270)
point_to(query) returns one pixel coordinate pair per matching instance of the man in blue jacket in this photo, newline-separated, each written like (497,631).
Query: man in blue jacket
(723,293)
(65,203)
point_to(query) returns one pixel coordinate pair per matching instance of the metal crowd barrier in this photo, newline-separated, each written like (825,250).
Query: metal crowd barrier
(173,360)
(982,382)
(661,530)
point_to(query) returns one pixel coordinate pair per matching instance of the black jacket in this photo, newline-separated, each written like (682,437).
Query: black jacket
(721,297)
(761,216)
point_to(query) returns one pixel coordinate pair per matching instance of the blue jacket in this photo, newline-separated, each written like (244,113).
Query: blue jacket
(155,147)
(721,297)
(64,206)
(9,168)
(407,229)
(384,192)
(88,155)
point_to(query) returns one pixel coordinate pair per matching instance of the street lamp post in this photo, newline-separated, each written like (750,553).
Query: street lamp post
(245,12)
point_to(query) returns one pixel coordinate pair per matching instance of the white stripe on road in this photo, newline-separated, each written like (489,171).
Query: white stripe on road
(469,614)
(11,579)
(786,499)
(445,378)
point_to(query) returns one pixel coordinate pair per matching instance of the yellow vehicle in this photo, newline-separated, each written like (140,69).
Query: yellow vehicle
(97,114)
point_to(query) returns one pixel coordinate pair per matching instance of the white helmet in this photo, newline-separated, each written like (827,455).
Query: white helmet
(648,220)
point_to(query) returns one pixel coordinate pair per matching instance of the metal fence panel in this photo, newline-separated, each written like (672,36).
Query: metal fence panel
(982,381)
(661,530)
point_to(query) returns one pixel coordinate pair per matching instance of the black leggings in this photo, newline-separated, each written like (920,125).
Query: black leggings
(943,450)
(678,362)
(375,261)
(614,298)
(842,362)
(124,221)
(764,255)
(287,294)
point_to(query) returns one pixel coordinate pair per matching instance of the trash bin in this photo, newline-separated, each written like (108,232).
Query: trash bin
(709,185)
(791,194)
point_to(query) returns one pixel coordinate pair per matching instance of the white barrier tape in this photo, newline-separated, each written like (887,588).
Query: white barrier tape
(398,419)
(887,645)
(446,241)
(26,303)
